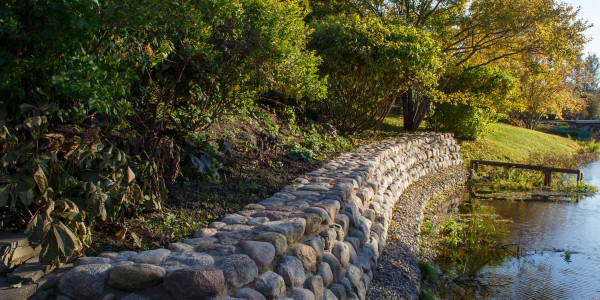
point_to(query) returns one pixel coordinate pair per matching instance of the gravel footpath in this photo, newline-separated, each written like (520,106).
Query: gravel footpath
(398,275)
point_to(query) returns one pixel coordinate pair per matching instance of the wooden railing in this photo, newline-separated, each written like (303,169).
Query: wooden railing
(547,170)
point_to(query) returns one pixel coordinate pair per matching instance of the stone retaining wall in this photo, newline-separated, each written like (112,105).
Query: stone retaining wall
(318,238)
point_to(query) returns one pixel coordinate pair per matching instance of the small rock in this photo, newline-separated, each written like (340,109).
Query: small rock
(306,254)
(263,253)
(270,284)
(181,247)
(334,264)
(204,232)
(250,294)
(292,229)
(292,270)
(216,225)
(239,270)
(200,241)
(315,285)
(317,244)
(351,252)
(328,295)
(154,257)
(235,219)
(196,283)
(85,281)
(278,240)
(135,277)
(254,206)
(88,260)
(329,236)
(325,272)
(341,252)
(302,294)
(215,249)
(339,291)
(192,259)
(325,219)
(354,274)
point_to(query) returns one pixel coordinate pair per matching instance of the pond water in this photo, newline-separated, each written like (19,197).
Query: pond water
(555,248)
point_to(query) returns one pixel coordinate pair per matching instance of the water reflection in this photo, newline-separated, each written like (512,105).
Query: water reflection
(558,247)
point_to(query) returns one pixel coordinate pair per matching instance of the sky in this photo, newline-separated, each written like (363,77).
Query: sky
(590,10)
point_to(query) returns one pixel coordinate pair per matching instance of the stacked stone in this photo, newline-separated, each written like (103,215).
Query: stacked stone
(318,238)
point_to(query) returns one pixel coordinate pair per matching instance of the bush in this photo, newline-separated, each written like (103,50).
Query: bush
(465,121)
(97,95)
(368,64)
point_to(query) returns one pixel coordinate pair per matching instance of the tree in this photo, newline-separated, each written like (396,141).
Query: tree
(368,64)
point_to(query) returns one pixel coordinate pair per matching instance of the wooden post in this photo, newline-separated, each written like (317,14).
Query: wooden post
(547,178)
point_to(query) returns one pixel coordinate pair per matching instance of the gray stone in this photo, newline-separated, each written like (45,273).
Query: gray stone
(86,281)
(272,215)
(339,291)
(239,270)
(328,295)
(131,297)
(204,232)
(235,219)
(329,236)
(354,274)
(334,264)
(302,294)
(181,247)
(125,255)
(263,253)
(315,285)
(154,257)
(135,277)
(250,294)
(215,249)
(317,244)
(324,270)
(292,229)
(192,259)
(258,221)
(325,218)
(343,221)
(270,284)
(313,223)
(195,283)
(278,240)
(216,225)
(347,285)
(306,254)
(351,252)
(89,260)
(339,231)
(354,242)
(341,252)
(254,206)
(200,241)
(292,271)
(30,272)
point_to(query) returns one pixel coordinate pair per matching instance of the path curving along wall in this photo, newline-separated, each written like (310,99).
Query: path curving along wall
(318,238)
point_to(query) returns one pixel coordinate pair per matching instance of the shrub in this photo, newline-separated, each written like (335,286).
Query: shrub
(368,64)
(465,121)
(96,94)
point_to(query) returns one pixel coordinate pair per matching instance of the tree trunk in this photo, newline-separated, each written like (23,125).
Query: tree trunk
(415,108)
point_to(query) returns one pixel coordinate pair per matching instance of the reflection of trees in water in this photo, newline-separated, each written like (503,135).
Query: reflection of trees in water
(474,239)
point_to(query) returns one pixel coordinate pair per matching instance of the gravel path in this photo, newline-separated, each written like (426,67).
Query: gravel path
(398,275)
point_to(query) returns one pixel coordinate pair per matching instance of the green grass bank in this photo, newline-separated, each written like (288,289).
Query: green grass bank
(519,145)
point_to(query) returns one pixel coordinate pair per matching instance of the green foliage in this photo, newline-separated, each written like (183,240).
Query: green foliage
(117,85)
(368,63)
(429,273)
(465,121)
(60,185)
(298,152)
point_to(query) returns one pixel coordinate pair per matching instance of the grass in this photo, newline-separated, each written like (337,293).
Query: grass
(515,144)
